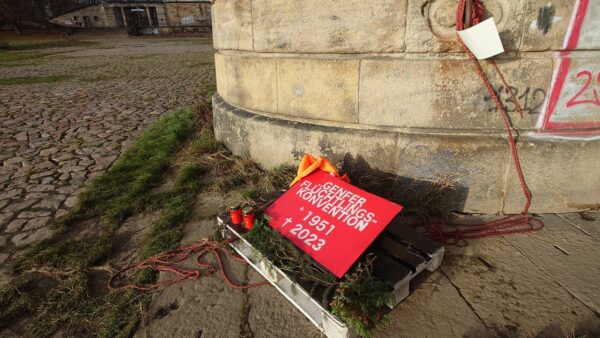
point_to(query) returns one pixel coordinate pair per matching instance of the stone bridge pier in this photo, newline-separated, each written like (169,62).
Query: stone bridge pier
(386,81)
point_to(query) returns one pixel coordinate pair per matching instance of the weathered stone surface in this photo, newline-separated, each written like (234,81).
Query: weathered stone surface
(546,24)
(3,257)
(18,206)
(289,141)
(71,168)
(30,237)
(325,26)
(434,307)
(248,82)
(590,227)
(559,177)
(15,225)
(479,184)
(78,174)
(22,136)
(5,217)
(479,164)
(269,313)
(42,174)
(48,151)
(40,187)
(215,306)
(318,89)
(36,195)
(52,202)
(104,162)
(430,25)
(232,24)
(60,213)
(10,193)
(14,160)
(511,293)
(71,201)
(208,203)
(33,214)
(425,93)
(570,266)
(36,223)
(409,93)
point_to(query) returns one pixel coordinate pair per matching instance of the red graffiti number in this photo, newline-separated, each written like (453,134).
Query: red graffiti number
(590,78)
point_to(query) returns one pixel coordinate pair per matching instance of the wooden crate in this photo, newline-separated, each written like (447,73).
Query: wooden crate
(402,254)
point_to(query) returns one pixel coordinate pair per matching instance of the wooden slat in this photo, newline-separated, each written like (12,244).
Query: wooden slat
(389,269)
(415,239)
(399,251)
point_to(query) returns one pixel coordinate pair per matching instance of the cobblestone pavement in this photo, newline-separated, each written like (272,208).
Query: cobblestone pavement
(56,136)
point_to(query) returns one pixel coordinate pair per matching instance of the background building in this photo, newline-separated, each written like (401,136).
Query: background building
(153,14)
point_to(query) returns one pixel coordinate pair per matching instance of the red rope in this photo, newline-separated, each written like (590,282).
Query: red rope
(168,261)
(520,223)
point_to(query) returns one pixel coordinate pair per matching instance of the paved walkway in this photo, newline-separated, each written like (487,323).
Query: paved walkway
(541,285)
(56,136)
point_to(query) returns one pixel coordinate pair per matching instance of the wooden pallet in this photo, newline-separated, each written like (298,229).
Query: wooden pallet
(402,254)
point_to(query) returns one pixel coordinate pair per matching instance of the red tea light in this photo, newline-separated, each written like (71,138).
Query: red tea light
(235,213)
(248,214)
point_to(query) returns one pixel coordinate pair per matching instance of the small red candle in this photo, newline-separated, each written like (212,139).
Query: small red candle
(235,213)
(248,218)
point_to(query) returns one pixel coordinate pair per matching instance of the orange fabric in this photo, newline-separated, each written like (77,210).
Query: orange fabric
(309,164)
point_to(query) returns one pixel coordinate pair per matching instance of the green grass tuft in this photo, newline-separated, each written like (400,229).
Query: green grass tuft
(117,194)
(34,79)
(97,78)
(206,143)
(362,304)
(67,254)
(19,56)
(120,192)
(15,301)
(251,194)
(34,45)
(166,233)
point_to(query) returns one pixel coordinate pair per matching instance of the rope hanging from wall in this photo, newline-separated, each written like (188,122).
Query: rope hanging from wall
(458,234)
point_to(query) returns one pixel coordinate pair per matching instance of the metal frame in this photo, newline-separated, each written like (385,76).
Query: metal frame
(326,322)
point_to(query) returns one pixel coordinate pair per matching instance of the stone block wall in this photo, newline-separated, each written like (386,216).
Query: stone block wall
(187,14)
(387,81)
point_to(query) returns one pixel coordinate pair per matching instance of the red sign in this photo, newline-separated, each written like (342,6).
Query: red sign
(332,221)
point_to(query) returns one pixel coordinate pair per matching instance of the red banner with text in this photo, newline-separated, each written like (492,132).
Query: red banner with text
(332,221)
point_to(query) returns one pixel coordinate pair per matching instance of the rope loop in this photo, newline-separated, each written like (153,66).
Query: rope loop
(168,262)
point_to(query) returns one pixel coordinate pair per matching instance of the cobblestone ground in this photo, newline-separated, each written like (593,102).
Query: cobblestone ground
(56,136)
